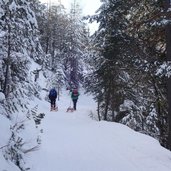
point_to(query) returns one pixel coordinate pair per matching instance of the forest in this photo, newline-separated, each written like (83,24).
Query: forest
(124,64)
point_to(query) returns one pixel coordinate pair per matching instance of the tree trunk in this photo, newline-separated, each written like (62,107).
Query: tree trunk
(107,99)
(98,110)
(168,53)
(6,82)
(106,107)
(47,45)
(169,113)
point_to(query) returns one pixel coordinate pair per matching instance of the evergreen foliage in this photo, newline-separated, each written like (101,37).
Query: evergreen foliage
(131,50)
(123,64)
(63,38)
(19,47)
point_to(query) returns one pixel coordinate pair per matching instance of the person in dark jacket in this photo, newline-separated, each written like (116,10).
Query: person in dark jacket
(52,97)
(74,96)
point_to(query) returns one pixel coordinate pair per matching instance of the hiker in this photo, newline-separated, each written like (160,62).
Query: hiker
(74,96)
(52,97)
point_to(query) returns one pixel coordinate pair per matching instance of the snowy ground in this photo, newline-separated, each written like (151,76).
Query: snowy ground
(75,142)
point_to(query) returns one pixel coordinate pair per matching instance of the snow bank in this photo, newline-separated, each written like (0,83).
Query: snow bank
(2,97)
(5,134)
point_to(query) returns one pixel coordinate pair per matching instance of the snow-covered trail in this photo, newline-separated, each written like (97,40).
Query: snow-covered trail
(75,142)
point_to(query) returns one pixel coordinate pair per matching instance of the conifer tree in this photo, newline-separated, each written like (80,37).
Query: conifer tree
(20,46)
(131,48)
(76,38)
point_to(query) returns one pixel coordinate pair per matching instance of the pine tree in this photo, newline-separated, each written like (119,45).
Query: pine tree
(20,45)
(131,48)
(76,38)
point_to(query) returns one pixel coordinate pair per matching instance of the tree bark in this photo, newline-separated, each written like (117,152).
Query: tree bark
(98,110)
(6,82)
(168,54)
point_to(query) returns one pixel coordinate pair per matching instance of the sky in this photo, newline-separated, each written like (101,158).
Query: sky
(88,8)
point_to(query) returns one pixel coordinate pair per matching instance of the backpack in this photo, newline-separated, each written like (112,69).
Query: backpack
(75,93)
(53,93)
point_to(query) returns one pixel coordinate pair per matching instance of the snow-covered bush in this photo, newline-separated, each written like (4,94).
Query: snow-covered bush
(2,97)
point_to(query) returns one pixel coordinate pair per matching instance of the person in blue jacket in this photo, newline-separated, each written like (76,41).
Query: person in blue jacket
(52,97)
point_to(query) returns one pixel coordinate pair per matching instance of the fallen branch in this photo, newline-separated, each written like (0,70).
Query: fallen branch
(3,146)
(35,148)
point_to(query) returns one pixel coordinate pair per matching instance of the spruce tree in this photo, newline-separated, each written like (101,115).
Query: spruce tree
(131,49)
(20,46)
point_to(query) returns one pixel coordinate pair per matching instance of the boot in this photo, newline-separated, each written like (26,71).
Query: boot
(52,107)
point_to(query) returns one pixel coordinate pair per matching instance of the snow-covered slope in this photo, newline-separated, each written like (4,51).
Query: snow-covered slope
(75,142)
(4,134)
